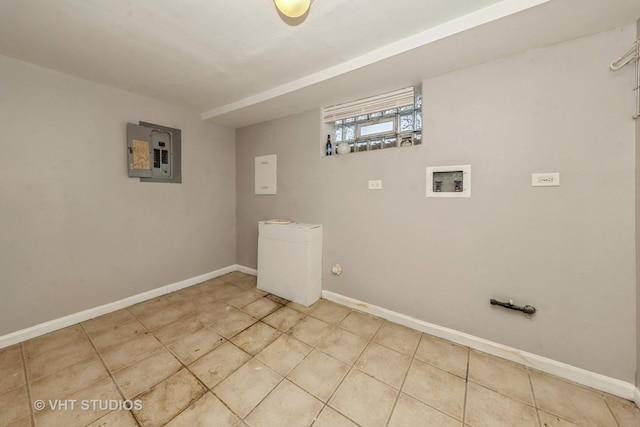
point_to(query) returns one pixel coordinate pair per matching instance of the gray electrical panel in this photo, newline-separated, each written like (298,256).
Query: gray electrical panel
(154,152)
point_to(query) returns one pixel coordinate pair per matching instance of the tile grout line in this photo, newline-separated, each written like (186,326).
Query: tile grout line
(549,411)
(314,347)
(175,356)
(27,386)
(271,391)
(441,369)
(533,394)
(284,377)
(109,373)
(28,379)
(135,316)
(288,333)
(242,419)
(186,367)
(227,340)
(406,374)
(352,367)
(448,373)
(334,327)
(466,387)
(610,410)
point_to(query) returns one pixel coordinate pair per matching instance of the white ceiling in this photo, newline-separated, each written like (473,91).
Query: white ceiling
(240,62)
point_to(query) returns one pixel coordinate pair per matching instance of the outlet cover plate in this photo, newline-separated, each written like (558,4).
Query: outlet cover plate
(551,179)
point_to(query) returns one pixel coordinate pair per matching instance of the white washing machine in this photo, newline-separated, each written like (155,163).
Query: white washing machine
(290,260)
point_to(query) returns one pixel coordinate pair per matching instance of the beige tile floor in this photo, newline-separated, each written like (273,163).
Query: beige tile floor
(223,353)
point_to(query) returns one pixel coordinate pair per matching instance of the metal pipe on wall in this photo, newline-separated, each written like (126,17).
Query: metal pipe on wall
(632,54)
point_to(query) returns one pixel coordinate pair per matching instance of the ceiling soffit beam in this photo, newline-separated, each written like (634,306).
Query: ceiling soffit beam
(458,25)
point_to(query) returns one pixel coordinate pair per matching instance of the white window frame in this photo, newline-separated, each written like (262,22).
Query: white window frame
(385,108)
(388,119)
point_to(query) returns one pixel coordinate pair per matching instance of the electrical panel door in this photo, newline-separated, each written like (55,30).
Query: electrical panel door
(154,153)
(149,151)
(161,146)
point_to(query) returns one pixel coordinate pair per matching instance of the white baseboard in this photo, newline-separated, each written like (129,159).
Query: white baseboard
(247,270)
(72,319)
(581,376)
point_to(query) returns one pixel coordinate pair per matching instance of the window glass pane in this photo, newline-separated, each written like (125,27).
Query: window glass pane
(405,123)
(376,128)
(395,127)
(349,133)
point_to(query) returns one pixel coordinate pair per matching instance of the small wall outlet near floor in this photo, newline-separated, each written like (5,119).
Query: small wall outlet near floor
(375,184)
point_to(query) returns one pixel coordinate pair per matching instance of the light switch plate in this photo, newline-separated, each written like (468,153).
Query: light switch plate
(551,179)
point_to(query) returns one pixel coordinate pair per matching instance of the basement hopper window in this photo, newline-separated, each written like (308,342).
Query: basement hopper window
(389,120)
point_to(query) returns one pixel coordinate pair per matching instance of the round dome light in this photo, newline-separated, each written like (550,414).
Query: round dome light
(293,8)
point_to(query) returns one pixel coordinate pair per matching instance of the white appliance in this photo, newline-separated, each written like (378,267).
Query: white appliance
(290,260)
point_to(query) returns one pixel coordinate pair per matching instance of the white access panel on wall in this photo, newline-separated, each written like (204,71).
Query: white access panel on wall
(290,260)
(266,178)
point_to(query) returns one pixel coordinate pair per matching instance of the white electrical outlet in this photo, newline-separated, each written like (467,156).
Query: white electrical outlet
(375,184)
(545,179)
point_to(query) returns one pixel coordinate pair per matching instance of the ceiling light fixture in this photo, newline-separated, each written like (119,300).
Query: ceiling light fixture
(293,8)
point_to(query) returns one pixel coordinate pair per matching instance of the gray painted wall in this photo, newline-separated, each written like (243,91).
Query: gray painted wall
(569,251)
(299,177)
(75,231)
